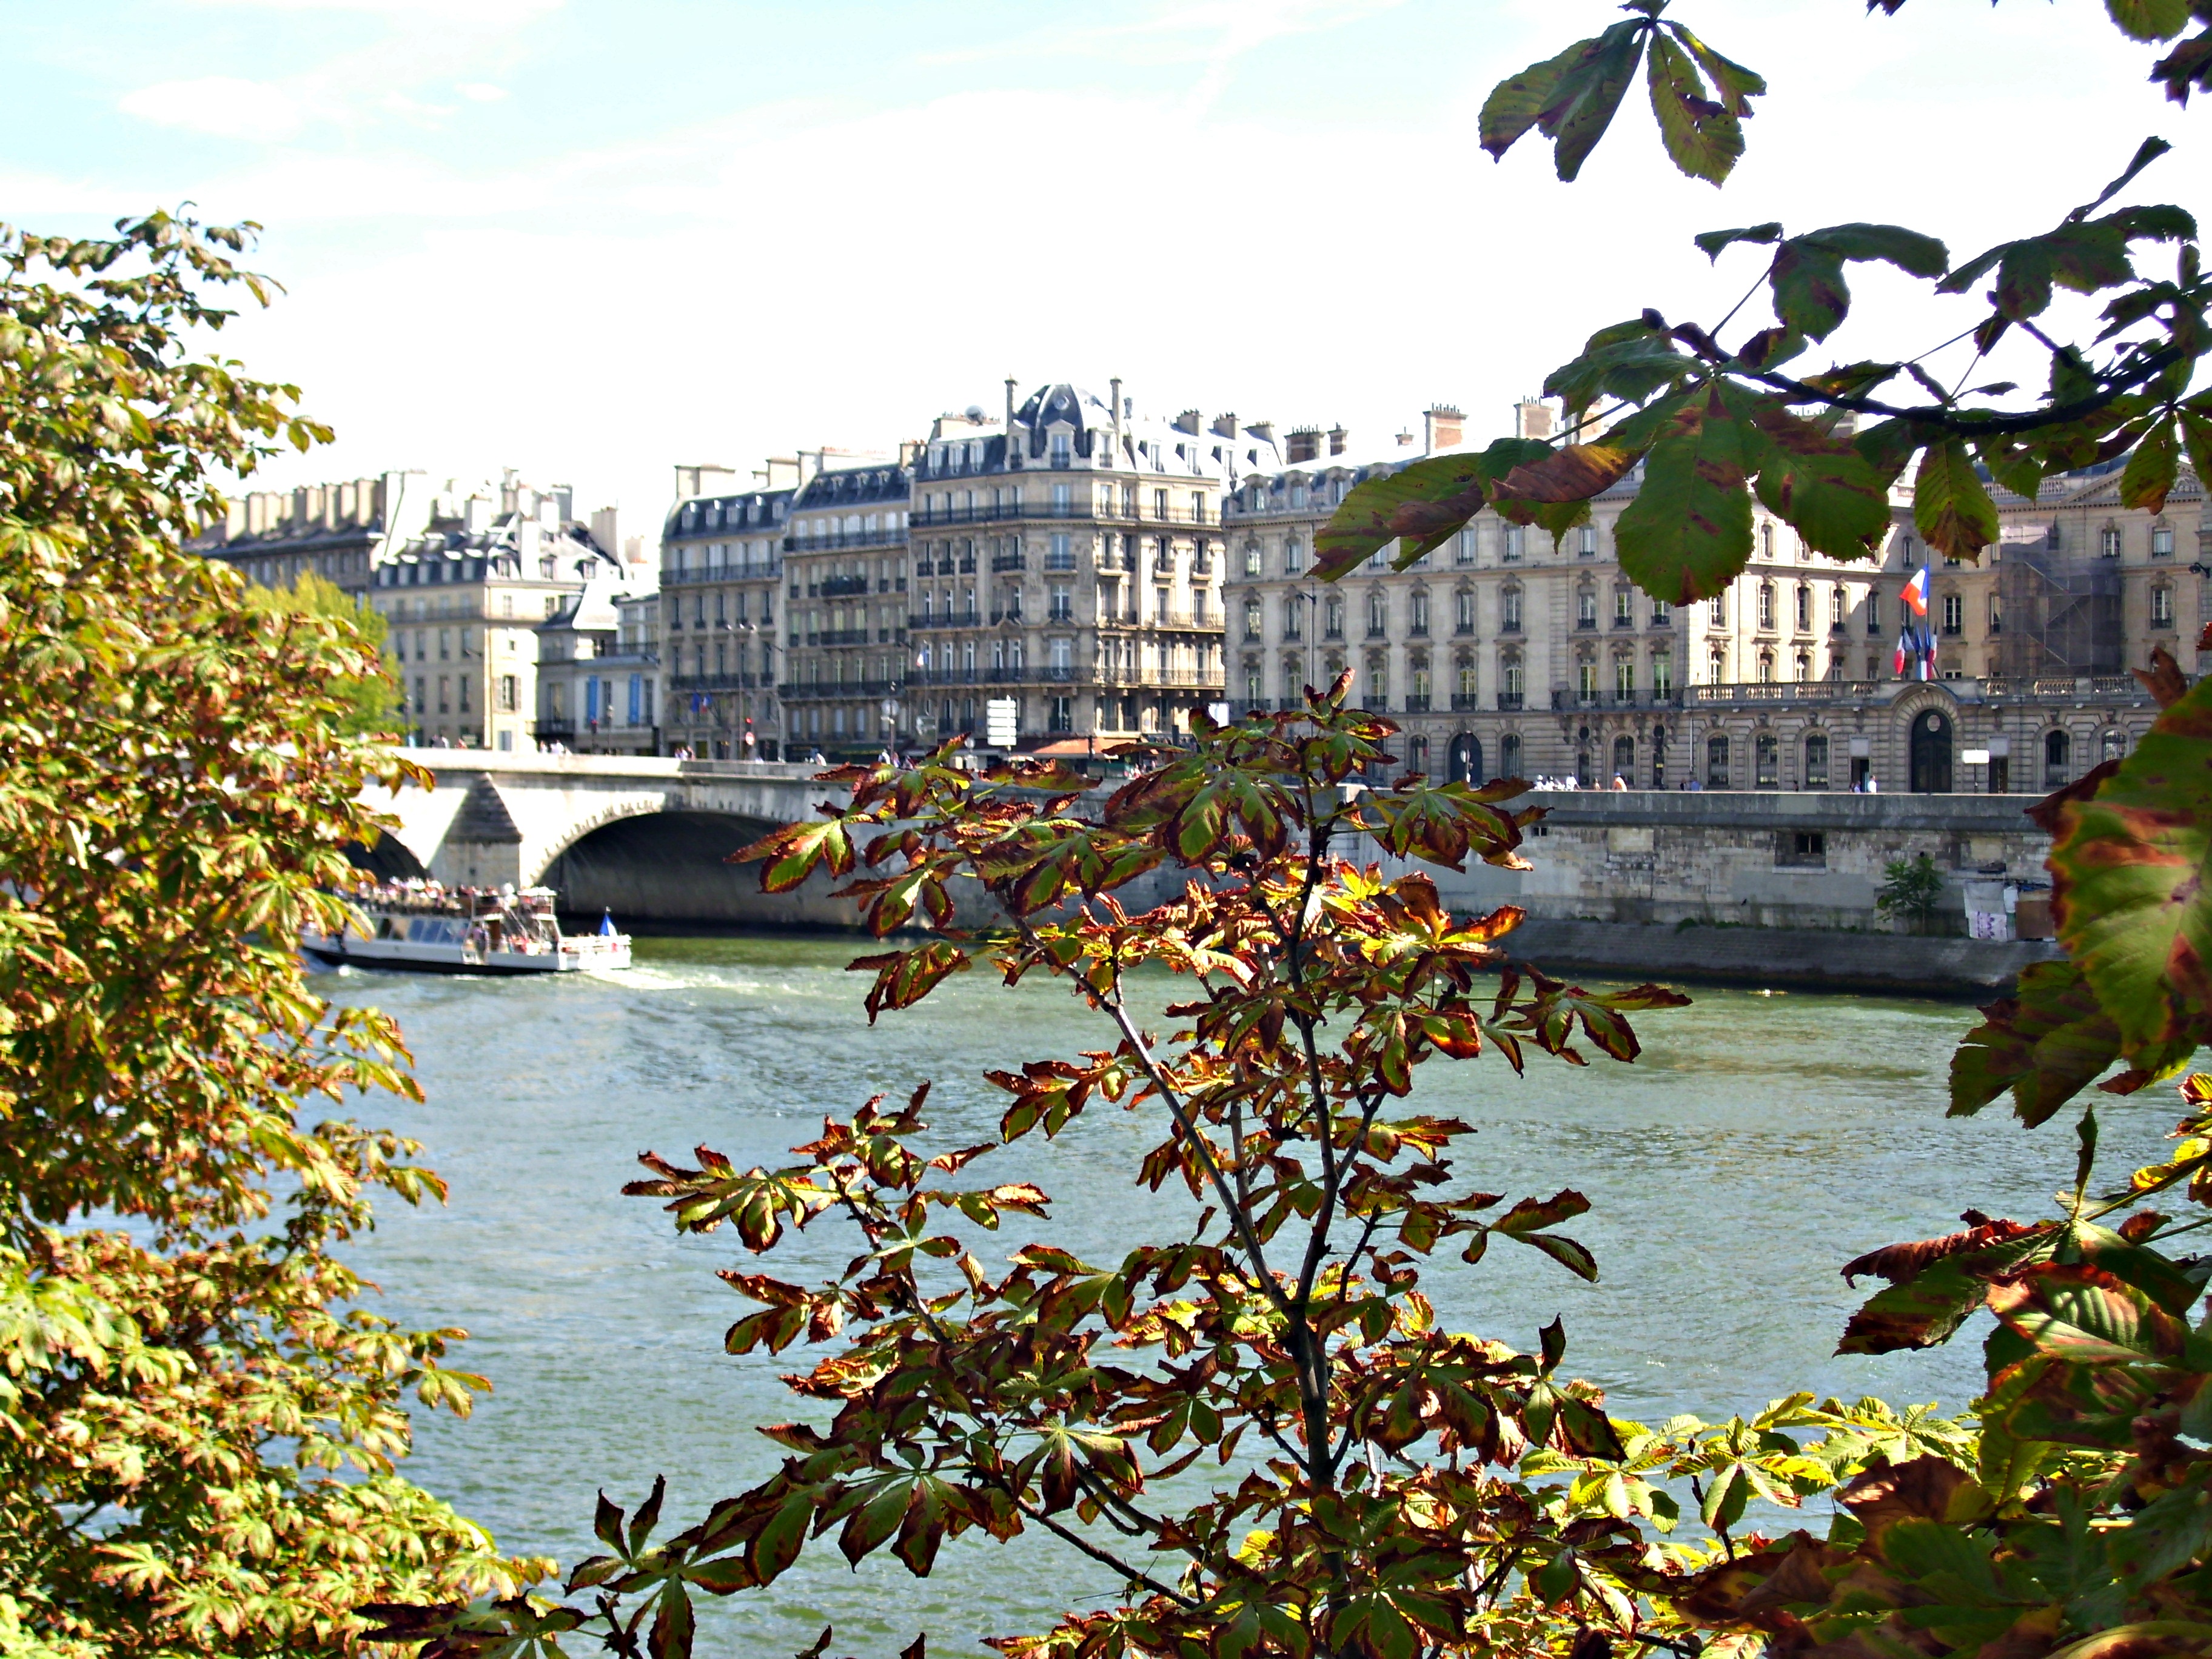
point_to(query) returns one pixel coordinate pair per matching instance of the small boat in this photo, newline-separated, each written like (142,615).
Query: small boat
(430,928)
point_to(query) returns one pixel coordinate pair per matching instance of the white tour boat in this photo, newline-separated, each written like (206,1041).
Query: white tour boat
(435,929)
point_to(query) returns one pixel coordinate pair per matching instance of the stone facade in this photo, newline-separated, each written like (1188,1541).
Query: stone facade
(721,576)
(463,598)
(1502,654)
(1065,556)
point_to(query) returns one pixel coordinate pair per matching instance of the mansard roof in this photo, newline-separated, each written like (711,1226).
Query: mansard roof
(885,483)
(721,515)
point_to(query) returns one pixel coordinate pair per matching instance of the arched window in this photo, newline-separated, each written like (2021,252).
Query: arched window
(1509,754)
(1417,754)
(1586,607)
(1418,622)
(1509,683)
(1378,680)
(2056,755)
(1463,611)
(1624,606)
(1467,682)
(1766,541)
(1417,691)
(1378,616)
(1663,676)
(1766,752)
(1624,678)
(1816,760)
(1467,758)
(1624,759)
(2115,745)
(1586,679)
(1716,762)
(1509,610)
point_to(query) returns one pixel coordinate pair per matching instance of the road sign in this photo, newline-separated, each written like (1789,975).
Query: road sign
(1002,722)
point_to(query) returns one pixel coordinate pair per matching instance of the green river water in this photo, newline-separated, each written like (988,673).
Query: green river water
(1759,1141)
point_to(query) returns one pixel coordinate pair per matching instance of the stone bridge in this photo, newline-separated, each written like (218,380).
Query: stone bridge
(647,838)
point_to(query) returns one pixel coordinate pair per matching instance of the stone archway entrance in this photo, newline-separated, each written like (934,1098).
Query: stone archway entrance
(1466,759)
(1931,752)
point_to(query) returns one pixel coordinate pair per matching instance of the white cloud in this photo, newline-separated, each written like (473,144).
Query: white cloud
(481,91)
(221,105)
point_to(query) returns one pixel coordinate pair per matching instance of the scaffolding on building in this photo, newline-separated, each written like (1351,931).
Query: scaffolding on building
(2058,613)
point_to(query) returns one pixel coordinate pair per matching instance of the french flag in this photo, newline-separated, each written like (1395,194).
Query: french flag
(1916,592)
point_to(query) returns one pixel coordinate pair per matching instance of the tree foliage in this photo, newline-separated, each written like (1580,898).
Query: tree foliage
(1910,889)
(198,1430)
(371,700)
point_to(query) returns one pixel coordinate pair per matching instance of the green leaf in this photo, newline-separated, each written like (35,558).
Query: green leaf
(2085,1316)
(1517,102)
(1630,360)
(2046,1044)
(1922,1311)
(1704,138)
(1583,104)
(1713,241)
(1434,495)
(1687,534)
(1950,504)
(2155,468)
(1738,86)
(2150,20)
(1819,484)
(2129,869)
(1810,294)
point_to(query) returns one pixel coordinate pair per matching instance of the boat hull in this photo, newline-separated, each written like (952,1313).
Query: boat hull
(408,956)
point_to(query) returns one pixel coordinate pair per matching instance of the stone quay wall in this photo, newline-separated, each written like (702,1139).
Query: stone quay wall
(1773,886)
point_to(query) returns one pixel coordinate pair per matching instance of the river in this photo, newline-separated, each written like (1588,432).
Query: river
(1761,1140)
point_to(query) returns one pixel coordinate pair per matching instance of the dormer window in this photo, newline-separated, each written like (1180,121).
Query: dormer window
(1060,451)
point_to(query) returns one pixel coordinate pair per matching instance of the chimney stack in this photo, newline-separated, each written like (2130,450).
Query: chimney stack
(1188,421)
(1446,427)
(1302,443)
(1224,425)
(1338,440)
(1532,418)
(1010,404)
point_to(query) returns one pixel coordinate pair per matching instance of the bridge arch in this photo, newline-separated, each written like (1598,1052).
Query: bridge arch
(672,866)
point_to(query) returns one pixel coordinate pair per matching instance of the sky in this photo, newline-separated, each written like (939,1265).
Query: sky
(593,239)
